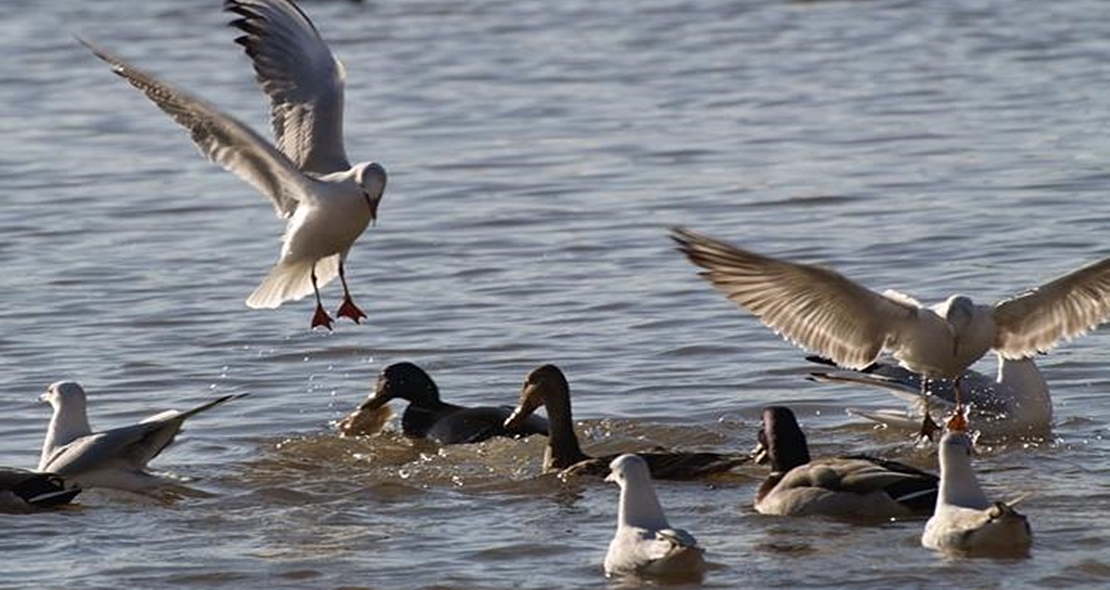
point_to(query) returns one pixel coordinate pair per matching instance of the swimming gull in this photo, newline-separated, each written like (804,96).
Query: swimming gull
(965,522)
(114,458)
(827,313)
(328,202)
(1015,402)
(645,543)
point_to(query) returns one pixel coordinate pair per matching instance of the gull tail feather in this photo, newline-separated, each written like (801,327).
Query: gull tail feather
(290,281)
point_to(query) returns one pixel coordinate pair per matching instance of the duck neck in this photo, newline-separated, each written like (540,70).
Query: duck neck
(66,425)
(639,507)
(562,444)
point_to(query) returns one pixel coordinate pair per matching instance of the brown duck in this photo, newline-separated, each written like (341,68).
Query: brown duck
(547,386)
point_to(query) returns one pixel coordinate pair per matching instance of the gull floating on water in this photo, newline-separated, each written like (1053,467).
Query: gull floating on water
(965,522)
(1014,403)
(115,458)
(645,543)
(547,386)
(327,201)
(427,416)
(824,312)
(22,490)
(850,486)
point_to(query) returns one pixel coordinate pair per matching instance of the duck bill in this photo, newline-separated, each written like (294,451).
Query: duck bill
(378,398)
(759,454)
(529,402)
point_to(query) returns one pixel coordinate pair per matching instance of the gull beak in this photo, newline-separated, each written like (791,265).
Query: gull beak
(612,477)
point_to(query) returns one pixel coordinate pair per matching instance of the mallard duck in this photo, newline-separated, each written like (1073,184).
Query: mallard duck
(547,386)
(1015,402)
(831,315)
(965,522)
(22,490)
(645,544)
(114,458)
(849,486)
(427,416)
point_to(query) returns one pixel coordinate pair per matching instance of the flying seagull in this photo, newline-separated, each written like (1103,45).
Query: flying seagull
(831,315)
(327,202)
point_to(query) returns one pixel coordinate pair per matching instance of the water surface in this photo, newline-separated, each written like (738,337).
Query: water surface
(538,152)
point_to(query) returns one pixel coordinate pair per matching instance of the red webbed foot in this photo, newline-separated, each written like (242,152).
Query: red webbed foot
(321,318)
(348,309)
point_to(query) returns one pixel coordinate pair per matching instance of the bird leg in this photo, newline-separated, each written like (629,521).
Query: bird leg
(928,426)
(348,309)
(321,317)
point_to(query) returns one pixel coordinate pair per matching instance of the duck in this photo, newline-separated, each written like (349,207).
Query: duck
(827,313)
(965,522)
(116,458)
(547,386)
(23,490)
(429,417)
(645,544)
(852,486)
(1014,403)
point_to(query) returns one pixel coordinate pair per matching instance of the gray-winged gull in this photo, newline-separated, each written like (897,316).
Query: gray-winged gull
(114,458)
(328,202)
(827,313)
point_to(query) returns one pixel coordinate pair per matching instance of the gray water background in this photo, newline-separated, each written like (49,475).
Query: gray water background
(538,152)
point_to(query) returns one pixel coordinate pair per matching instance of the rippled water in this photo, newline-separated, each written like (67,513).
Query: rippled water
(538,151)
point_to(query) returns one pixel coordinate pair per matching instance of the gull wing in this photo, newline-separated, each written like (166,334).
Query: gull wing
(221,138)
(301,76)
(814,307)
(127,447)
(1037,320)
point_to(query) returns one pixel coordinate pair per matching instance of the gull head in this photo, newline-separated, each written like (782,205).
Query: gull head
(955,445)
(628,467)
(405,381)
(67,394)
(371,178)
(540,387)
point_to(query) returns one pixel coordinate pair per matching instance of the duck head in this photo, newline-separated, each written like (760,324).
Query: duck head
(539,387)
(403,381)
(781,441)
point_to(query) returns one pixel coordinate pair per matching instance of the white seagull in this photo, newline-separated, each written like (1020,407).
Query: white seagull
(1015,402)
(115,458)
(965,522)
(645,544)
(831,315)
(327,201)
